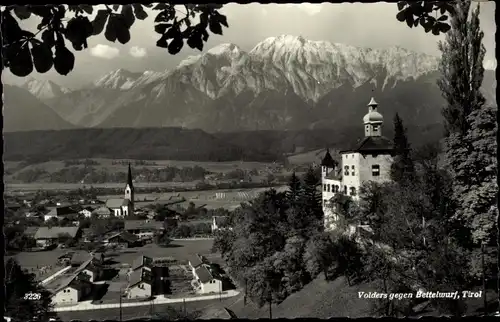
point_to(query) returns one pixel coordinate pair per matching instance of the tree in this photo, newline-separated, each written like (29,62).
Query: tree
(319,255)
(294,189)
(402,169)
(23,52)
(470,145)
(18,283)
(310,200)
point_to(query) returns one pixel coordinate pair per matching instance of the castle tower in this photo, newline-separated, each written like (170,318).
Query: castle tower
(129,188)
(373,120)
(327,164)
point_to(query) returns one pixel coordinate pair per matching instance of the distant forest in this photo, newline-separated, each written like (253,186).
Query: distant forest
(185,144)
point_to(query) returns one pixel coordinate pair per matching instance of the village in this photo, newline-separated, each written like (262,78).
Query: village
(110,252)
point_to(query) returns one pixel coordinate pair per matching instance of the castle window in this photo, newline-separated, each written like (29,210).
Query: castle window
(352,171)
(345,190)
(328,188)
(375,170)
(375,127)
(346,170)
(336,188)
(324,187)
(353,191)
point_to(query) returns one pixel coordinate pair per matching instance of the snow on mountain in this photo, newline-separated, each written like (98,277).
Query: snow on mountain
(118,79)
(44,89)
(311,68)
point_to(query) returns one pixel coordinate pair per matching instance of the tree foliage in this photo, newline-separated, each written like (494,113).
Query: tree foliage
(402,168)
(24,51)
(425,14)
(18,283)
(470,144)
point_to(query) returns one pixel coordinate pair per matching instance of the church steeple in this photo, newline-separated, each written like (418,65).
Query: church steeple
(129,188)
(129,177)
(373,120)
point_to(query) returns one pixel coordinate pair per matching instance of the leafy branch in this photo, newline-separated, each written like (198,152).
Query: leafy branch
(23,51)
(416,13)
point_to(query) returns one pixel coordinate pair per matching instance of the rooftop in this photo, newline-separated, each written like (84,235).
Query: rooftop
(54,232)
(373,145)
(143,224)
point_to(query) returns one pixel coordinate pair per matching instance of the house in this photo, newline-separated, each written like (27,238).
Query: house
(369,160)
(71,292)
(72,289)
(155,277)
(139,284)
(88,235)
(93,272)
(123,239)
(86,212)
(142,262)
(196,261)
(220,223)
(60,213)
(46,236)
(30,231)
(102,212)
(144,228)
(204,282)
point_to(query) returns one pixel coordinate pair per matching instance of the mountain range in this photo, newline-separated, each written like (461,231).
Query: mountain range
(283,83)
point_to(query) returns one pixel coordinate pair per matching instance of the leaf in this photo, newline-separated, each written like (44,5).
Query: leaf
(64,60)
(99,21)
(409,20)
(195,42)
(20,63)
(22,12)
(443,27)
(175,45)
(49,38)
(172,32)
(435,30)
(87,8)
(128,15)
(415,23)
(401,16)
(162,42)
(401,5)
(122,32)
(139,12)
(40,10)
(11,32)
(111,27)
(42,57)
(204,35)
(443,18)
(215,27)
(162,27)
(116,7)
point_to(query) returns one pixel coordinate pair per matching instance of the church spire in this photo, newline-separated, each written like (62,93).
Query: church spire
(129,177)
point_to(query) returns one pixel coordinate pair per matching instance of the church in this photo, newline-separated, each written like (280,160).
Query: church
(124,207)
(369,160)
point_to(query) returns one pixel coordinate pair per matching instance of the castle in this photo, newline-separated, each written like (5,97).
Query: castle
(369,160)
(124,207)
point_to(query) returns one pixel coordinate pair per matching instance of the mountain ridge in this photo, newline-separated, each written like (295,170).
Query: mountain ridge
(283,83)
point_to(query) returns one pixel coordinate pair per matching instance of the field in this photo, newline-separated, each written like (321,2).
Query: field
(225,198)
(107,164)
(310,157)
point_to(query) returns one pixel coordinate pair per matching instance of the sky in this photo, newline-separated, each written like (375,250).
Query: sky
(358,24)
